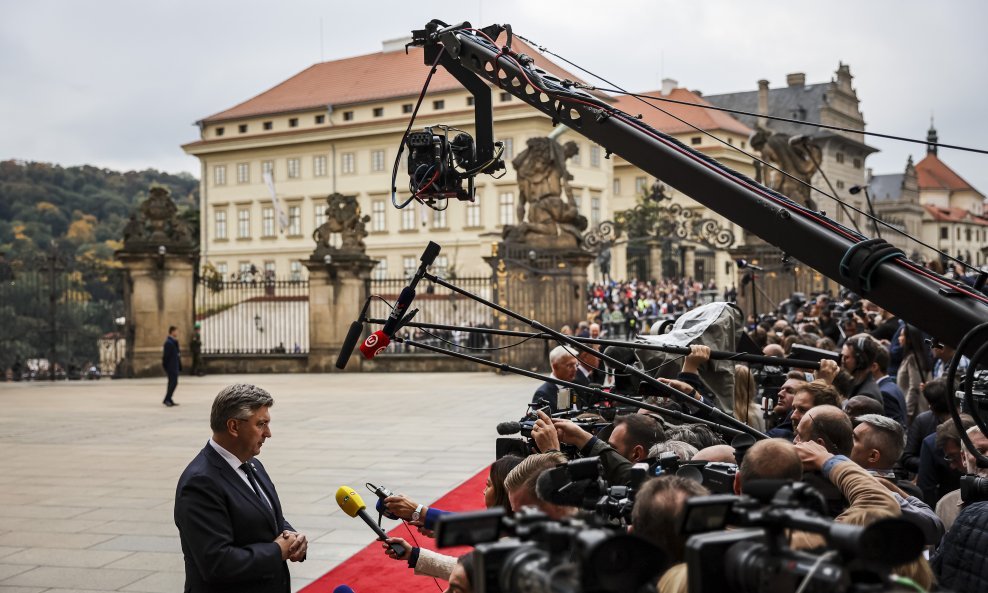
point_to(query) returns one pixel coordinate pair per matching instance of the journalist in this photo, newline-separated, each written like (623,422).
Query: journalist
(960,562)
(520,485)
(878,443)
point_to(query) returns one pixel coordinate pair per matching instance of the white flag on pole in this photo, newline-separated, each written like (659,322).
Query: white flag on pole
(279,211)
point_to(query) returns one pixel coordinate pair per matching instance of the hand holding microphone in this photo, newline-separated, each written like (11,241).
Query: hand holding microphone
(353,505)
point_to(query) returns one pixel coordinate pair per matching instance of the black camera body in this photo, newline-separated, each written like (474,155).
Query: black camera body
(757,557)
(716,476)
(433,160)
(974,489)
(540,555)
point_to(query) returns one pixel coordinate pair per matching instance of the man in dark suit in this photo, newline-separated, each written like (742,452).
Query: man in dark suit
(234,535)
(171,361)
(563,364)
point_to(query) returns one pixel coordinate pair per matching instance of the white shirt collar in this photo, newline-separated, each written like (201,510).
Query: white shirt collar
(230,458)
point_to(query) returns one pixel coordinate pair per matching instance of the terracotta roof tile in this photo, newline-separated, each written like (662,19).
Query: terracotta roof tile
(377,76)
(954,215)
(932,173)
(705,119)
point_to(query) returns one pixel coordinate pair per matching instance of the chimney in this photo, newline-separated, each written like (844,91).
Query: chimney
(796,79)
(762,102)
(395,44)
(669,85)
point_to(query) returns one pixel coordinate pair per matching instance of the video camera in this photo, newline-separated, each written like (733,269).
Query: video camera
(580,483)
(757,557)
(524,446)
(433,160)
(974,489)
(540,555)
(716,476)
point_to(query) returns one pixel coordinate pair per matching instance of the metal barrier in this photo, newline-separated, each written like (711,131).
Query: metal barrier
(253,315)
(437,305)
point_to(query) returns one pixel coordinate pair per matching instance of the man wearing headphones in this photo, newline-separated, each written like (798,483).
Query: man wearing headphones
(856,355)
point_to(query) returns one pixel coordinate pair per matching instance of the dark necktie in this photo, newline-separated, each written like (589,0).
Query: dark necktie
(249,470)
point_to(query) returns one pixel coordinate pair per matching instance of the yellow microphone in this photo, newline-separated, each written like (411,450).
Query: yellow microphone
(353,505)
(349,501)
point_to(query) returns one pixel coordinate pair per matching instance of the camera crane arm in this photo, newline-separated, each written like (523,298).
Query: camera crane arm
(884,274)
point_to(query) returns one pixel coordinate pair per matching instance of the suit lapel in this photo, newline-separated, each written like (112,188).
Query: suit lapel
(230,475)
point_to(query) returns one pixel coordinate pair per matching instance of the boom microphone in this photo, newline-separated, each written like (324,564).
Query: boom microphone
(379,340)
(353,505)
(356,328)
(508,428)
(352,336)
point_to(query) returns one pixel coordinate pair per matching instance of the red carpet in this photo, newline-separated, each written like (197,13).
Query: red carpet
(370,571)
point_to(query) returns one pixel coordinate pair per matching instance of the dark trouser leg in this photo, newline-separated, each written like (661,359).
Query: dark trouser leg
(172,384)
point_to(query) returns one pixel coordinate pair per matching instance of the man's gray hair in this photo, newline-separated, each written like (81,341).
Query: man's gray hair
(237,401)
(891,435)
(559,352)
(683,450)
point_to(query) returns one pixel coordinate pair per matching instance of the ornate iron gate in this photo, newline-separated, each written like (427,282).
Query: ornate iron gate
(59,318)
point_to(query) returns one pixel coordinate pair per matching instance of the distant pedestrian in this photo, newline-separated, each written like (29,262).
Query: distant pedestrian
(171,360)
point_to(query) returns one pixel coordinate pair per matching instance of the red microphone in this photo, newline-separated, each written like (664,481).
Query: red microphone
(374,344)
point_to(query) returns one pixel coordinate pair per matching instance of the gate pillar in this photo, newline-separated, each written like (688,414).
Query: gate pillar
(160,258)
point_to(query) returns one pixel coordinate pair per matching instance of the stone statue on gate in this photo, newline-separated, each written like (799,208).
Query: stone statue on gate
(343,217)
(543,187)
(798,156)
(156,224)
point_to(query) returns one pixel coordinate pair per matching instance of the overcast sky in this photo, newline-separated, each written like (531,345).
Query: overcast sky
(120,83)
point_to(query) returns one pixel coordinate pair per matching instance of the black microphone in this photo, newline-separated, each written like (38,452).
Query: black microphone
(352,337)
(509,428)
(380,339)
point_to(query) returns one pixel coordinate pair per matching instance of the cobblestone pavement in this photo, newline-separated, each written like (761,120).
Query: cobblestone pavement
(89,467)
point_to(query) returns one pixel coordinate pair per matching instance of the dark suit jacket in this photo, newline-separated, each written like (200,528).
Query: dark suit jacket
(892,400)
(548,392)
(227,532)
(170,358)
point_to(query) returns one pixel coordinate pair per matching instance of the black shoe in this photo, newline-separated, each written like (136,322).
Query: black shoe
(168,403)
(173,403)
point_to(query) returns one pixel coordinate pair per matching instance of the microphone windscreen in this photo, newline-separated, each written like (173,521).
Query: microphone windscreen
(349,344)
(509,428)
(430,253)
(349,501)
(374,344)
(343,589)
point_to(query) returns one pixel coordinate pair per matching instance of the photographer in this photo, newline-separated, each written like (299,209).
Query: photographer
(949,507)
(857,355)
(520,484)
(811,395)
(925,424)
(961,560)
(784,427)
(862,490)
(629,442)
(878,443)
(656,517)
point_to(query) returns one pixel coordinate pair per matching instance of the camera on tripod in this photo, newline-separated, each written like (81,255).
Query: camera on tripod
(438,166)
